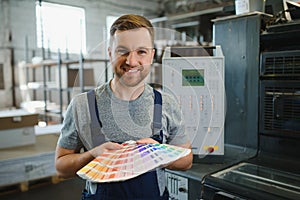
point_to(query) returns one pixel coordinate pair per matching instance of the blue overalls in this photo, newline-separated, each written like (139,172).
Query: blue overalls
(143,187)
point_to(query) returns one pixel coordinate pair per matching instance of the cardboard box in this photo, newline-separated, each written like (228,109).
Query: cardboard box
(73,78)
(17,118)
(70,77)
(17,137)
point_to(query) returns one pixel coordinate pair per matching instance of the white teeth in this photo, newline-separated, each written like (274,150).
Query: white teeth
(132,70)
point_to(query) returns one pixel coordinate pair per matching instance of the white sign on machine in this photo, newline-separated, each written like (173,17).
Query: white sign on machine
(195,75)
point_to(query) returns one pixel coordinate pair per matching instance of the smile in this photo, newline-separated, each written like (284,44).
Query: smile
(133,70)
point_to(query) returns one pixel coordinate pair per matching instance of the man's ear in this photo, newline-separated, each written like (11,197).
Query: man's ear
(109,52)
(153,53)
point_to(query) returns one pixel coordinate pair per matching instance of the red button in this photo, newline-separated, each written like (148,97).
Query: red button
(210,149)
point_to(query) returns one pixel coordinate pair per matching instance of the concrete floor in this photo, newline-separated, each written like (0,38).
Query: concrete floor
(65,190)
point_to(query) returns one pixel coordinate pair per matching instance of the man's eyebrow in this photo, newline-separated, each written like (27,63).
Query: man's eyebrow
(121,47)
(141,47)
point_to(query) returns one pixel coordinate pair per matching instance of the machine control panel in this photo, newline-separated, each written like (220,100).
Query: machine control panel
(197,81)
(177,187)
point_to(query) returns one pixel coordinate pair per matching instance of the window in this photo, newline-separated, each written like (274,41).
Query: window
(60,27)
(109,21)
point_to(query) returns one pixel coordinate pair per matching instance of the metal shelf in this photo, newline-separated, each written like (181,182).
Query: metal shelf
(48,85)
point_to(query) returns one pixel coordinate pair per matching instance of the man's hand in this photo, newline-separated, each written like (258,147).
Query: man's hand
(183,163)
(146,141)
(104,147)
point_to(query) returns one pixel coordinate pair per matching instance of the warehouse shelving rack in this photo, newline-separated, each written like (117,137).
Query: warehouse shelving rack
(48,86)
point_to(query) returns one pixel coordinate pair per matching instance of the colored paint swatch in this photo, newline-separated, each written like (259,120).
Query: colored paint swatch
(130,161)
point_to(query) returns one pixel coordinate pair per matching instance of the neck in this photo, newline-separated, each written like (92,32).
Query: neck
(124,92)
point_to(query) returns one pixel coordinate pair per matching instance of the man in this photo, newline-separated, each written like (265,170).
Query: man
(125,108)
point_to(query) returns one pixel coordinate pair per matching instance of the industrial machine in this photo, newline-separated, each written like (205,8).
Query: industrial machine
(262,123)
(273,173)
(195,75)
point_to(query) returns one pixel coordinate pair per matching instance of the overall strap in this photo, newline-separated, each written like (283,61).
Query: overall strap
(157,117)
(94,112)
(97,136)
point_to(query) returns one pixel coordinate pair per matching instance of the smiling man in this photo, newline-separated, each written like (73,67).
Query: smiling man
(125,108)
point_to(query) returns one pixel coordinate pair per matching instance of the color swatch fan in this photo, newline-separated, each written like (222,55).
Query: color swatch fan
(130,161)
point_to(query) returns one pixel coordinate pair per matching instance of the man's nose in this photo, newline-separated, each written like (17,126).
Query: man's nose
(132,59)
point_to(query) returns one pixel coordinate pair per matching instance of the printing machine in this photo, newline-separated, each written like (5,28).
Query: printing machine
(261,128)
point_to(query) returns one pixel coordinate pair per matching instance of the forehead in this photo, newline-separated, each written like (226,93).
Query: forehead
(132,39)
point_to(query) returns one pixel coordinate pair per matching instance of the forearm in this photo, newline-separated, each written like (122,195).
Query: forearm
(69,164)
(183,163)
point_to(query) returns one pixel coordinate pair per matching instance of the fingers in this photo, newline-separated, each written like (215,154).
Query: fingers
(112,146)
(146,141)
(108,146)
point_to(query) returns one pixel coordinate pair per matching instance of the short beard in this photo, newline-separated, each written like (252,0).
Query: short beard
(130,81)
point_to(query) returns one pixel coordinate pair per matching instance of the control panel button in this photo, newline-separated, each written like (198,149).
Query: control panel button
(181,189)
(210,149)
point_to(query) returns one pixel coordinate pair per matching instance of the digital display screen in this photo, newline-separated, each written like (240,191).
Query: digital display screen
(193,77)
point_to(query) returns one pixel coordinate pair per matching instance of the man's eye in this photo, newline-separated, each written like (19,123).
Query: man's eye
(122,52)
(142,52)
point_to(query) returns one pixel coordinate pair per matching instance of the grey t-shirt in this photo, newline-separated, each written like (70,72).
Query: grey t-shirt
(121,121)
